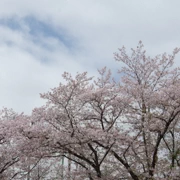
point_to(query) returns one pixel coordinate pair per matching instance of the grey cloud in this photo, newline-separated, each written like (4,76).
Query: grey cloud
(99,28)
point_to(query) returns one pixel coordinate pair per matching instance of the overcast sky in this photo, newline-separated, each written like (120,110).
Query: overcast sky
(40,39)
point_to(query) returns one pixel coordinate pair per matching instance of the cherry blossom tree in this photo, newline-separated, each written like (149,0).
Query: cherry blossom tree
(9,138)
(18,157)
(126,127)
(153,84)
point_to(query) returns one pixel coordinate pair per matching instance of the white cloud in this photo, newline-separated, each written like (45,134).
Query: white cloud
(33,64)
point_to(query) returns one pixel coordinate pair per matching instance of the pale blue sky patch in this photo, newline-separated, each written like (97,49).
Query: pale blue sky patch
(37,28)
(11,23)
